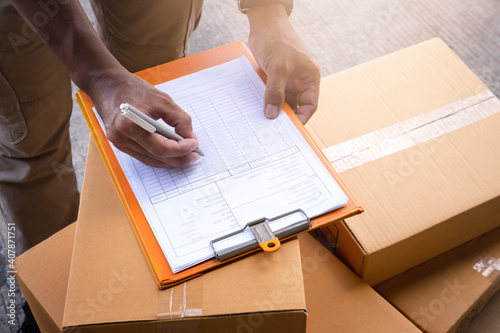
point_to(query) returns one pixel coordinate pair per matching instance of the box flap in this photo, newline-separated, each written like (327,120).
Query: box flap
(110,280)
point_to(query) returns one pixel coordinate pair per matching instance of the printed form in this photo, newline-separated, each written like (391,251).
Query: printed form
(253,167)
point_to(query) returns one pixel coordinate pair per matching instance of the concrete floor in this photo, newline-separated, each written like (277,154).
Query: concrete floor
(342,34)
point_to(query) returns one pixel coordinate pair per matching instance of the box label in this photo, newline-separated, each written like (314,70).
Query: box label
(487,265)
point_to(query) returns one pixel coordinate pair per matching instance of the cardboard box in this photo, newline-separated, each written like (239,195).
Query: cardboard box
(42,274)
(337,300)
(445,293)
(111,287)
(416,137)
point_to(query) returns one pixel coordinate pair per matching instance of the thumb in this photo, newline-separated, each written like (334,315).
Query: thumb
(274,95)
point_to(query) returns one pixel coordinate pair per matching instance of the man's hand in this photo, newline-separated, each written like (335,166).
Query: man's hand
(292,73)
(69,34)
(120,86)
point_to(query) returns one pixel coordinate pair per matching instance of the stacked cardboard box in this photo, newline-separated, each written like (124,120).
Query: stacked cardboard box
(415,137)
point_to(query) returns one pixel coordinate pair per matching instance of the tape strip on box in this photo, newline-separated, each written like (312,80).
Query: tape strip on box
(181,301)
(408,133)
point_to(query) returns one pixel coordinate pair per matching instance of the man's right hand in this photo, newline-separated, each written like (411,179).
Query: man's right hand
(120,86)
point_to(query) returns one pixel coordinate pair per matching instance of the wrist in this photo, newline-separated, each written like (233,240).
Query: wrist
(103,87)
(267,14)
(245,5)
(89,77)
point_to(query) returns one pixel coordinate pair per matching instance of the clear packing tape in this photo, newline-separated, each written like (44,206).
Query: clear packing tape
(178,304)
(413,131)
(183,300)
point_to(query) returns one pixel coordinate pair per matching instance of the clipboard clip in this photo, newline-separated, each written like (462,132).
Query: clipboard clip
(264,235)
(224,248)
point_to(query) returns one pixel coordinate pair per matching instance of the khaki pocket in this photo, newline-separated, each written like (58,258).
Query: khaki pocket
(12,123)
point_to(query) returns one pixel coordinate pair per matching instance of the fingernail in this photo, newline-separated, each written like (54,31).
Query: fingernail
(271,111)
(195,160)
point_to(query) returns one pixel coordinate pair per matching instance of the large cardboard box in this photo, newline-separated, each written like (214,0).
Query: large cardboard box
(445,293)
(337,300)
(416,137)
(111,287)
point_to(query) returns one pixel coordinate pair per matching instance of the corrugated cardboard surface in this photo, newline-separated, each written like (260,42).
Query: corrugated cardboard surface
(430,197)
(338,301)
(488,319)
(110,280)
(445,293)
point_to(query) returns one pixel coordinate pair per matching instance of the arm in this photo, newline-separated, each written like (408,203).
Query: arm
(292,73)
(69,34)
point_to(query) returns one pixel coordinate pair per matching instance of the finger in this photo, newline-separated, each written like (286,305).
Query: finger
(274,95)
(308,104)
(137,152)
(148,160)
(161,148)
(126,133)
(173,115)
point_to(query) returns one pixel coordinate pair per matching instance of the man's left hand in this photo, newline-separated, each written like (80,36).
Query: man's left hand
(292,73)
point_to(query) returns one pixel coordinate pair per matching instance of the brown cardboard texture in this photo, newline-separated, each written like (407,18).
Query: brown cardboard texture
(42,274)
(415,135)
(445,293)
(111,287)
(488,319)
(338,301)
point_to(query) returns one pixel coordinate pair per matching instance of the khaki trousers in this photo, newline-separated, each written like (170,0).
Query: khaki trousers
(38,190)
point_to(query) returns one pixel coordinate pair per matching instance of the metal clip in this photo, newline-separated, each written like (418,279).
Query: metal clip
(265,236)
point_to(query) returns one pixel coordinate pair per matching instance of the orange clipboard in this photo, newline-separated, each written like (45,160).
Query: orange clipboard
(160,267)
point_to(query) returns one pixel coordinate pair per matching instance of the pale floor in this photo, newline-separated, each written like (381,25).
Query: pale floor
(342,34)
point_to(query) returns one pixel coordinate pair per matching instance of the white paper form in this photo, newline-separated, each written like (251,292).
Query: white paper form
(253,167)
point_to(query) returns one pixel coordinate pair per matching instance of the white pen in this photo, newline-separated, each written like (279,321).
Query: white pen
(151,125)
